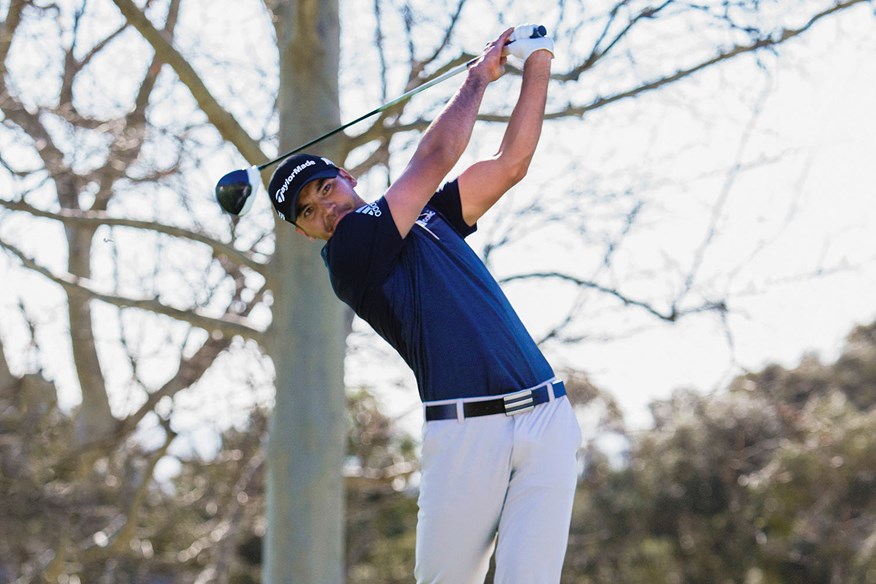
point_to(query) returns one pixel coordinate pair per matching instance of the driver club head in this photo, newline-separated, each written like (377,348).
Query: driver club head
(235,191)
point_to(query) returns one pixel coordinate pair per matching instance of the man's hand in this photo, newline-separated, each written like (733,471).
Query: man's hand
(491,65)
(526,39)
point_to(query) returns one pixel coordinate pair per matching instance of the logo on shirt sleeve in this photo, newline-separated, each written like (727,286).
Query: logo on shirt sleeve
(424,218)
(370,209)
(423,221)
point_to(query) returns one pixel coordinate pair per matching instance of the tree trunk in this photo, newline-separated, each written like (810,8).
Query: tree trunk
(304,539)
(94,420)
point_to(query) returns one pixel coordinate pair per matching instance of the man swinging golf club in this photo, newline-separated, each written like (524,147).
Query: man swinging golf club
(500,437)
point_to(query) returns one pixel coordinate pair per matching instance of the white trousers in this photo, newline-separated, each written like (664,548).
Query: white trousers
(511,476)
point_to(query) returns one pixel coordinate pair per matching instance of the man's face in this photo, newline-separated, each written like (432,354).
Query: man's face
(324,202)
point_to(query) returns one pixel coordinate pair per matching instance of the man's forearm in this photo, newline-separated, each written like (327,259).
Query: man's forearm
(524,128)
(449,133)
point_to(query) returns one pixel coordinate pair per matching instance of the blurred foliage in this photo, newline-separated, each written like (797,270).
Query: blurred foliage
(772,480)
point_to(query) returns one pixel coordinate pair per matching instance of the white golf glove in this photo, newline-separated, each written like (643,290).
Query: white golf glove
(527,39)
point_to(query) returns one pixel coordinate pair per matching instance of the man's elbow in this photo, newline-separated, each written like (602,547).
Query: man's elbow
(517,169)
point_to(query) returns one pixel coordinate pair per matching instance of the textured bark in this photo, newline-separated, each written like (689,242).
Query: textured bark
(304,540)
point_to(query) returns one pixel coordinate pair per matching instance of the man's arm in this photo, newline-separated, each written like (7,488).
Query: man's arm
(445,140)
(483,183)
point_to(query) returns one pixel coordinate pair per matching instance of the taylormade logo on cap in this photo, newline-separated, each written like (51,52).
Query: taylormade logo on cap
(281,192)
(291,176)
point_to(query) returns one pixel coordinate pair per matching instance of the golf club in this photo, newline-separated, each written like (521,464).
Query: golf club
(235,190)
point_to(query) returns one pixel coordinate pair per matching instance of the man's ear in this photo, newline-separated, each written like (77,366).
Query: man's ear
(348,177)
(301,231)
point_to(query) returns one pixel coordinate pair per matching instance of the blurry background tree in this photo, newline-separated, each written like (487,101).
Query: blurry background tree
(771,480)
(144,333)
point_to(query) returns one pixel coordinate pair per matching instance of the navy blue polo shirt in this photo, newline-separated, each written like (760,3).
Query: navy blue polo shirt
(431,297)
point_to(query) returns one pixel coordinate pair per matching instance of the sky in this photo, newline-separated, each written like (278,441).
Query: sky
(806,206)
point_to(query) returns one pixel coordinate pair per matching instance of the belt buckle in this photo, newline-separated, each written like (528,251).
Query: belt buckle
(519,402)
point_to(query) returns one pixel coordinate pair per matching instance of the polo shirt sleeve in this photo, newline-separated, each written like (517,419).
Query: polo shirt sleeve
(447,201)
(362,251)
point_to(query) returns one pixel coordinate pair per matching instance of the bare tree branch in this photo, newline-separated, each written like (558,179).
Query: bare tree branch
(381,50)
(128,142)
(229,325)
(380,126)
(723,196)
(671,315)
(598,50)
(95,218)
(224,122)
(444,42)
(762,43)
(52,156)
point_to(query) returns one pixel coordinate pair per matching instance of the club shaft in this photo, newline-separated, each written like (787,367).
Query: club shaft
(452,72)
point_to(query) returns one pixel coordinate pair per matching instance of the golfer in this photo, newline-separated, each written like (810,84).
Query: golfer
(500,438)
